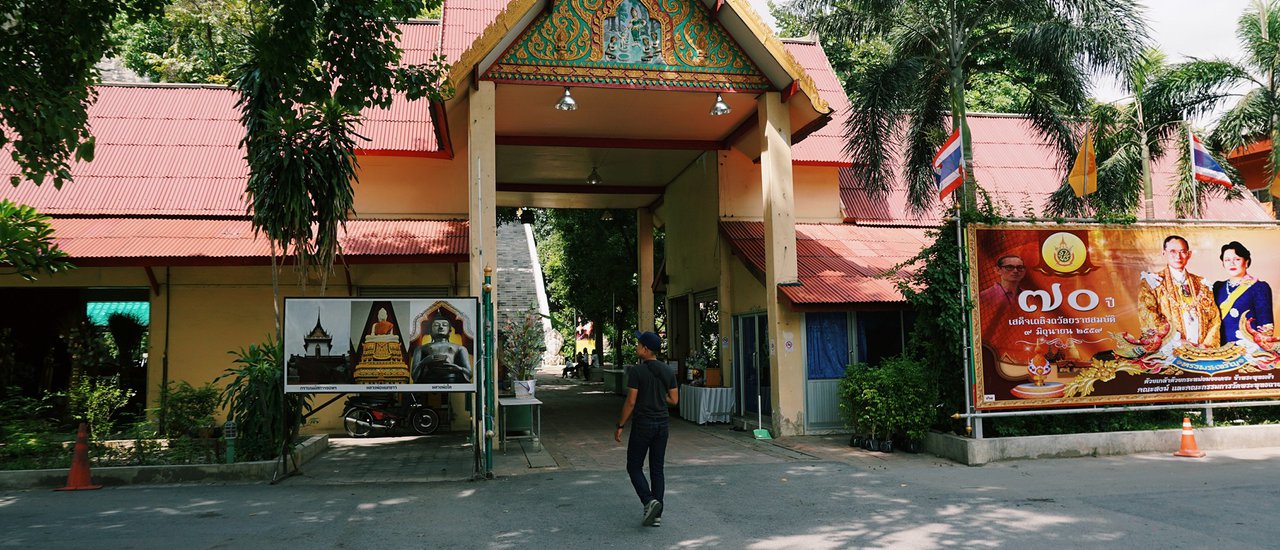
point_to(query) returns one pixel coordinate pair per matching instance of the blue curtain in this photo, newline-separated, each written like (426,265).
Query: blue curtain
(826,344)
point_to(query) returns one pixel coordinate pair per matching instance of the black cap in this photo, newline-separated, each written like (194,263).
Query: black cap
(649,340)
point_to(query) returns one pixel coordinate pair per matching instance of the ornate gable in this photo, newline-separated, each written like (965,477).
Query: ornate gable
(667,44)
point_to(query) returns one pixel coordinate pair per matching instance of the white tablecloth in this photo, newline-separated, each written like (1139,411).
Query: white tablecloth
(704,405)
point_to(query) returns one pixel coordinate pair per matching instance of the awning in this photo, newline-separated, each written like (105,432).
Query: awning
(838,264)
(169,241)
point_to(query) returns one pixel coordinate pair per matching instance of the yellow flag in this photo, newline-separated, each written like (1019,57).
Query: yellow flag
(1084,173)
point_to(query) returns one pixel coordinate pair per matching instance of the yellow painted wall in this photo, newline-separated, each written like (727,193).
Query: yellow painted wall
(748,292)
(216,310)
(117,277)
(816,189)
(692,253)
(408,187)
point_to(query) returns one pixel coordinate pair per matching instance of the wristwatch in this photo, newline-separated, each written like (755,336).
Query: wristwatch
(621,426)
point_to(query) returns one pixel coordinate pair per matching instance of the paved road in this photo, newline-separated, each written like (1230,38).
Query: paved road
(1226,501)
(725,490)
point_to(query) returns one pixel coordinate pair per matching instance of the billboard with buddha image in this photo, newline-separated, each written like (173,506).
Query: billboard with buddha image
(380,345)
(1076,315)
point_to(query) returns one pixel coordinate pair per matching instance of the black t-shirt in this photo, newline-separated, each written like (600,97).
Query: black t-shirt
(652,380)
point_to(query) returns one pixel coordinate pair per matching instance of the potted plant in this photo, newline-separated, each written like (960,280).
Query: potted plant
(521,349)
(892,400)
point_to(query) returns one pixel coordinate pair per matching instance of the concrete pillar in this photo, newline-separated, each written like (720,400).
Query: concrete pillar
(644,267)
(786,358)
(725,290)
(481,210)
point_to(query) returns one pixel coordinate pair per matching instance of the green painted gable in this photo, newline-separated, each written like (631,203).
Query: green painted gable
(664,44)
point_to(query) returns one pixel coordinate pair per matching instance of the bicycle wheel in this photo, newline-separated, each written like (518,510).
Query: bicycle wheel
(357,422)
(425,421)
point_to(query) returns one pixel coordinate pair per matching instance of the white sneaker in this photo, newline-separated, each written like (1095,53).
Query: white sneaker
(651,511)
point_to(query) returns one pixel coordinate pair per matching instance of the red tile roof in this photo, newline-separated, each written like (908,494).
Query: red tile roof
(464,21)
(174,150)
(405,127)
(161,150)
(826,145)
(838,264)
(1015,165)
(153,241)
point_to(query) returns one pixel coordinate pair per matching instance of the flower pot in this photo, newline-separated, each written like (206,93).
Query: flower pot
(525,388)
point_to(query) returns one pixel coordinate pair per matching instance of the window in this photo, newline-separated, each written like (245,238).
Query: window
(880,335)
(826,344)
(402,291)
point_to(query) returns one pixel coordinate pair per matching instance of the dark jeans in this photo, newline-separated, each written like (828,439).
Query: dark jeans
(648,437)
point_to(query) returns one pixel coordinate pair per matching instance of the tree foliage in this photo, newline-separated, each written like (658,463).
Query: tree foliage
(1131,135)
(312,67)
(590,266)
(1256,115)
(194,41)
(48,53)
(936,286)
(1047,48)
(850,59)
(26,242)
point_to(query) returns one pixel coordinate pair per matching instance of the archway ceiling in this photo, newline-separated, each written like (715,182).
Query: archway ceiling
(638,140)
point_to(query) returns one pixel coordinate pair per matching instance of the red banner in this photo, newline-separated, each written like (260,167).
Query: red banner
(1090,314)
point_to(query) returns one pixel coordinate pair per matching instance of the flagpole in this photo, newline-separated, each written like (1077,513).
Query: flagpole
(972,425)
(1191,164)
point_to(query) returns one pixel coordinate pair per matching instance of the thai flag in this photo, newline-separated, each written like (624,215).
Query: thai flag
(1204,167)
(948,165)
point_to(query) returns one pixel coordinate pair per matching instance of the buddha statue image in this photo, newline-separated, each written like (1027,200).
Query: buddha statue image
(382,354)
(383,330)
(441,361)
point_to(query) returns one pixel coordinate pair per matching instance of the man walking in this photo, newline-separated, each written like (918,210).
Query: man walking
(651,387)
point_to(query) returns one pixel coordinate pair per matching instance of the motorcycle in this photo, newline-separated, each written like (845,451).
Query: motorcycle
(363,414)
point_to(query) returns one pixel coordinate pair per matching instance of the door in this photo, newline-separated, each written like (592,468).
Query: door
(751,363)
(826,355)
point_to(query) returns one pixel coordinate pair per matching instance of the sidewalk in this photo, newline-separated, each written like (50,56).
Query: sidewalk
(578,421)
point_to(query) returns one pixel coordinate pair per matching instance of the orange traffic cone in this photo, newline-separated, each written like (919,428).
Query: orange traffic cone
(1188,441)
(78,478)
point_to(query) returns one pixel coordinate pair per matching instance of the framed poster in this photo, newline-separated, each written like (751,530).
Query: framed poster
(1073,315)
(380,345)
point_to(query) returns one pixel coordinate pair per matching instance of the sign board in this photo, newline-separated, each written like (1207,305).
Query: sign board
(336,345)
(1071,315)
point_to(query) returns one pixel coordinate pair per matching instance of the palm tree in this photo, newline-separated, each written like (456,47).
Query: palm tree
(1049,48)
(1257,114)
(1160,98)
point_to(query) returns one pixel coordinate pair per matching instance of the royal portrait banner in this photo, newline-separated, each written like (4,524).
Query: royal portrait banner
(1077,315)
(336,345)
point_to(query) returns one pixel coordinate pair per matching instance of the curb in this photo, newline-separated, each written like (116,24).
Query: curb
(976,452)
(255,471)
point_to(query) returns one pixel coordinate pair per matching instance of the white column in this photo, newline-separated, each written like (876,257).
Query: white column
(786,360)
(481,209)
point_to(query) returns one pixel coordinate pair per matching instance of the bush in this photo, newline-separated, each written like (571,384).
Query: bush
(185,408)
(28,439)
(521,344)
(96,400)
(893,398)
(266,418)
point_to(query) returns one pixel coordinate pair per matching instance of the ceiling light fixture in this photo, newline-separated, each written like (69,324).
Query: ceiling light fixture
(566,102)
(720,108)
(594,178)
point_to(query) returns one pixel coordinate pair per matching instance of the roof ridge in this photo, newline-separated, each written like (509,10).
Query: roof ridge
(195,85)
